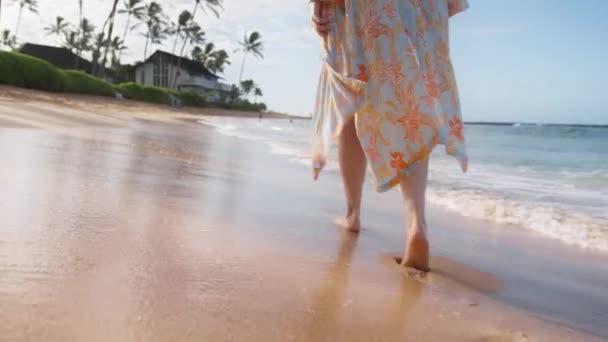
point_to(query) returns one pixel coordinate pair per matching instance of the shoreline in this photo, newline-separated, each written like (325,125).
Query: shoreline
(158,229)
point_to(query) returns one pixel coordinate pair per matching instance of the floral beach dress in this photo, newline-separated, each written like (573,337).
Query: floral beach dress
(387,66)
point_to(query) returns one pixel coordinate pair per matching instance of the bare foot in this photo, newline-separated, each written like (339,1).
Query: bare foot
(417,252)
(350,222)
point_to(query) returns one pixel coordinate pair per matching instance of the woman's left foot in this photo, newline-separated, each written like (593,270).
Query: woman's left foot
(417,252)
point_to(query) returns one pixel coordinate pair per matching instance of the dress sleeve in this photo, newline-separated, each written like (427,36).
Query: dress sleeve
(457,6)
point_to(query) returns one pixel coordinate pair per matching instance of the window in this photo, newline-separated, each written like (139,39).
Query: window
(156,71)
(161,72)
(164,75)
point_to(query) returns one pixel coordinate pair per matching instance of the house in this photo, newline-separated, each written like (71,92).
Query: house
(58,56)
(162,68)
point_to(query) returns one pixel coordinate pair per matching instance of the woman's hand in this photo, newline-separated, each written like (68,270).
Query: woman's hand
(322,16)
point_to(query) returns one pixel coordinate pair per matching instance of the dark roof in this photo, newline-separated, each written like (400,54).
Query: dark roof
(193,67)
(58,56)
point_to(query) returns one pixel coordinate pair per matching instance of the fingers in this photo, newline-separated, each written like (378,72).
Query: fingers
(322,18)
(322,29)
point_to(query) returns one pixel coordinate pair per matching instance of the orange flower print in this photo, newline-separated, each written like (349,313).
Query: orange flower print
(362,75)
(431,85)
(397,162)
(394,72)
(456,128)
(412,120)
(371,27)
(390,9)
(372,150)
(411,123)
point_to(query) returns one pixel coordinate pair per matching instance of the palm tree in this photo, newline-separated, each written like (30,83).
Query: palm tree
(8,39)
(219,59)
(117,45)
(98,44)
(57,28)
(80,6)
(247,86)
(133,8)
(202,56)
(193,35)
(212,5)
(84,36)
(32,6)
(70,40)
(253,45)
(234,93)
(153,18)
(110,19)
(257,92)
(180,29)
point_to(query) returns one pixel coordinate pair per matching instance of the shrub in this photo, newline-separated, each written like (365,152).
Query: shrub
(245,105)
(83,83)
(30,72)
(191,98)
(136,91)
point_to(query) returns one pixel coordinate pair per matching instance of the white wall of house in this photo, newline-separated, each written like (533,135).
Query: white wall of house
(145,75)
(213,89)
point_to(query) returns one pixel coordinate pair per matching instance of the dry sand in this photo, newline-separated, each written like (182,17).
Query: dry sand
(118,229)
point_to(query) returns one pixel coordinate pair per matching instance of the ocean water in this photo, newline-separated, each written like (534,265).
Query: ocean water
(550,179)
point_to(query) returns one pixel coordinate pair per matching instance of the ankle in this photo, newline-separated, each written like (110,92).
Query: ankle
(352,212)
(417,230)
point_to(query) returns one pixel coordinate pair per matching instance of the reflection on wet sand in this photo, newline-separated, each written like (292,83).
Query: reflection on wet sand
(410,291)
(323,321)
(328,300)
(159,232)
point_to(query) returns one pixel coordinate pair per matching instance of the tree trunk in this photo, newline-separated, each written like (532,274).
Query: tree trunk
(18,21)
(124,35)
(98,48)
(242,67)
(146,47)
(181,52)
(109,40)
(175,43)
(76,61)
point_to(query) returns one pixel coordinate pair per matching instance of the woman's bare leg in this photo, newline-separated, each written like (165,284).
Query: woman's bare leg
(352,166)
(413,188)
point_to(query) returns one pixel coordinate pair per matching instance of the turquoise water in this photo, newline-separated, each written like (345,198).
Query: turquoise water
(550,179)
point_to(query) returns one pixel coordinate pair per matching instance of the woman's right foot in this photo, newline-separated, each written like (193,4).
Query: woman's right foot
(417,252)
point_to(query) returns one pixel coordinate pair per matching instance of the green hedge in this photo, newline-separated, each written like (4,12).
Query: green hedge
(138,92)
(193,99)
(160,95)
(245,105)
(30,72)
(83,83)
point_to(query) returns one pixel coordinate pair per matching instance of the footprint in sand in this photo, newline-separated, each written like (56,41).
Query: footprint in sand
(447,272)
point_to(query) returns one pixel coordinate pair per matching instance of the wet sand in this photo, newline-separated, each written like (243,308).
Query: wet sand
(116,228)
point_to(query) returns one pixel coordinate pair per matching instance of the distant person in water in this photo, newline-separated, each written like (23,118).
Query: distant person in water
(260,119)
(388,95)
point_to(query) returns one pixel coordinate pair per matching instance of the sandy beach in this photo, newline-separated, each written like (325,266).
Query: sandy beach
(132,222)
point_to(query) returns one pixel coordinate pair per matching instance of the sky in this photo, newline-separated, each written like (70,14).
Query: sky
(515,60)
